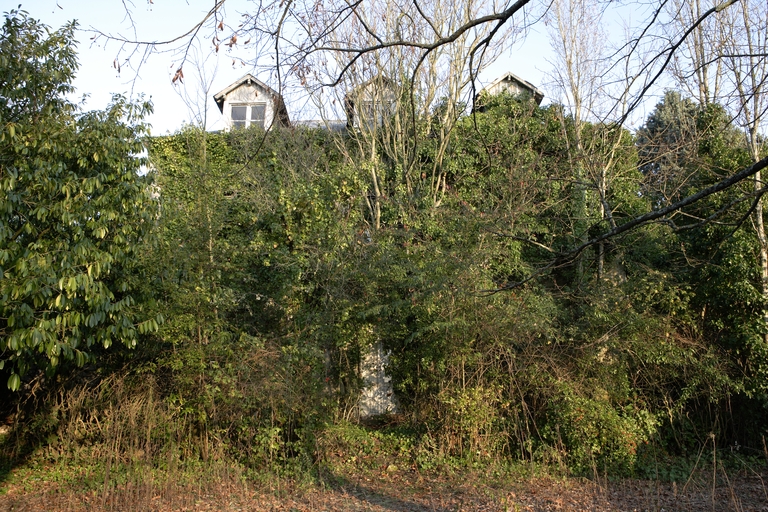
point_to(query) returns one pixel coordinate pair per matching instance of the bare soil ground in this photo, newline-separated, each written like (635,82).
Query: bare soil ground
(401,491)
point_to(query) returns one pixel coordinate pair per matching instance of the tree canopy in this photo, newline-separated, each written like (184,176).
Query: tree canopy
(73,207)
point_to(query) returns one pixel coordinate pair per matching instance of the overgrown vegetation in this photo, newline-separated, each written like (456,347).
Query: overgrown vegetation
(271,266)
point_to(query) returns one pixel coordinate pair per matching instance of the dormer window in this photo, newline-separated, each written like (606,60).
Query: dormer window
(250,102)
(513,85)
(371,103)
(243,116)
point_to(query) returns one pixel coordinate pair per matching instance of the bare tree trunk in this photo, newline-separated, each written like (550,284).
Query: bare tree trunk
(697,69)
(746,43)
(760,228)
(410,87)
(577,40)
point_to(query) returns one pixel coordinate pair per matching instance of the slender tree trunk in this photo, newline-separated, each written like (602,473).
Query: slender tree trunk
(760,228)
(745,38)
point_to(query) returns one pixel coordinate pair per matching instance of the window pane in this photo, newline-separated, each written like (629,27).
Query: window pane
(238,113)
(258,113)
(368,115)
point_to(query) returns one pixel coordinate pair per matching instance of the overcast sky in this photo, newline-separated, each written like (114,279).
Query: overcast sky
(164,19)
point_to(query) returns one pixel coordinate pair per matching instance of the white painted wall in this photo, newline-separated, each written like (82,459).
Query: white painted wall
(248,94)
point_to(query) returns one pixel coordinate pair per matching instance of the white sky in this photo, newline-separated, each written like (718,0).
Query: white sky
(164,19)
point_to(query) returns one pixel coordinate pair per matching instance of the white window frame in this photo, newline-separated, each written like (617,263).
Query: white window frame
(248,121)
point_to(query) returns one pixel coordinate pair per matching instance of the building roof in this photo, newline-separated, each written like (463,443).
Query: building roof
(376,81)
(537,94)
(220,96)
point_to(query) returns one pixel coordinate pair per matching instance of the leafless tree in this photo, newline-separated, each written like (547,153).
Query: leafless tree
(745,56)
(695,67)
(399,95)
(583,70)
(308,44)
(725,60)
(196,91)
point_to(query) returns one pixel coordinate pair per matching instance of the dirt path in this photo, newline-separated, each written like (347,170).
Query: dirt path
(404,492)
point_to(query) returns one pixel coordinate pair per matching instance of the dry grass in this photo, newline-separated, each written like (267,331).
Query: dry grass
(115,448)
(384,489)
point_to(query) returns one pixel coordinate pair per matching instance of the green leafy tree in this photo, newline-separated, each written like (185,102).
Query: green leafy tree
(712,260)
(73,207)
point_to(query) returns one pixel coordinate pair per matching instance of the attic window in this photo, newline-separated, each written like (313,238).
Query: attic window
(371,114)
(258,114)
(243,116)
(238,116)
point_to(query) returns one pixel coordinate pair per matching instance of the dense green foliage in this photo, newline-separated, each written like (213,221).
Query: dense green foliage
(72,210)
(279,260)
(270,255)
